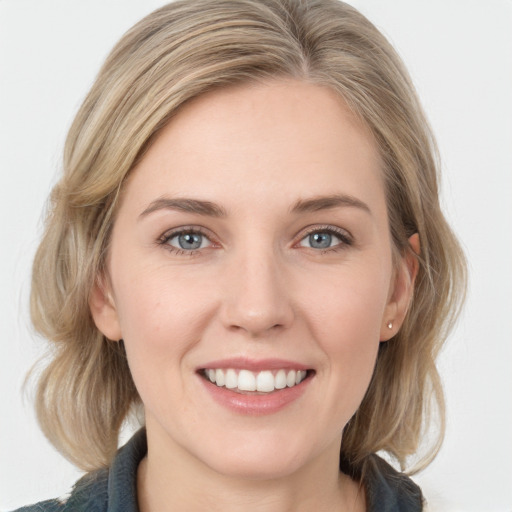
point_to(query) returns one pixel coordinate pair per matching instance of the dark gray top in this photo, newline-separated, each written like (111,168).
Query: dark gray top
(114,489)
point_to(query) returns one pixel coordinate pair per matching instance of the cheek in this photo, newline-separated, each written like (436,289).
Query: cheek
(157,303)
(345,318)
(161,318)
(349,308)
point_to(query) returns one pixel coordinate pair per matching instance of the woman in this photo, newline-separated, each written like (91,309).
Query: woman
(246,245)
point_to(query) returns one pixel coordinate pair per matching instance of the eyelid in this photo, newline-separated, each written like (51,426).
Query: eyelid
(344,235)
(171,233)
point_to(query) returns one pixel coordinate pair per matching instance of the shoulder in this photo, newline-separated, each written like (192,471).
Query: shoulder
(112,489)
(387,490)
(43,506)
(89,494)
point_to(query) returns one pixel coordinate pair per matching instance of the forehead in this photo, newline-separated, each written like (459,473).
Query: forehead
(281,141)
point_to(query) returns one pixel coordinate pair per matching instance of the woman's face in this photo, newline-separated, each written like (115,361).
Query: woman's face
(252,248)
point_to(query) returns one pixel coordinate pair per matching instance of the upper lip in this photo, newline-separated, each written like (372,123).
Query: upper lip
(255,365)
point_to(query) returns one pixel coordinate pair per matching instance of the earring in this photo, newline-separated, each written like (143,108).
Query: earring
(390,325)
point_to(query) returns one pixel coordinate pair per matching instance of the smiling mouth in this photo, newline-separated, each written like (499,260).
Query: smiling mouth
(248,382)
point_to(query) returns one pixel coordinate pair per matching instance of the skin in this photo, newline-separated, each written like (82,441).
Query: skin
(257,289)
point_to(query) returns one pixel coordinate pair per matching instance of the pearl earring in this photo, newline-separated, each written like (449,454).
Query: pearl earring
(390,325)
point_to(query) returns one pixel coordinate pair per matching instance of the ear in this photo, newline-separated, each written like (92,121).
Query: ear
(402,290)
(103,309)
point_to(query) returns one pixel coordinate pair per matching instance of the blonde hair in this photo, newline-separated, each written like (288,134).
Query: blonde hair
(173,55)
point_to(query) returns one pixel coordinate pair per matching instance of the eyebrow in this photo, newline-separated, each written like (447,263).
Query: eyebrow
(209,209)
(327,202)
(196,206)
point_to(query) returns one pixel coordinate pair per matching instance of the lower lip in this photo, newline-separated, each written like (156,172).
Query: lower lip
(256,405)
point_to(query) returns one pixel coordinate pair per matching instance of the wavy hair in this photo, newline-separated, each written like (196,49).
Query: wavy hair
(177,53)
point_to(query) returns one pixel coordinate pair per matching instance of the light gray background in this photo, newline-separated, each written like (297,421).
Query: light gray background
(459,53)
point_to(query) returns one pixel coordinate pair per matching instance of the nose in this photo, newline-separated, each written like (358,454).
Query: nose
(257,297)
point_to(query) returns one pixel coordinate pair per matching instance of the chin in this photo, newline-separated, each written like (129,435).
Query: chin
(262,457)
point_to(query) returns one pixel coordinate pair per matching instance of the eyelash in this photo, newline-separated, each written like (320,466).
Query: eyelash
(169,235)
(344,236)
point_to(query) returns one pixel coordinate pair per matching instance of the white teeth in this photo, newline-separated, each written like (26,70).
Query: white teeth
(265,381)
(301,375)
(219,378)
(246,381)
(280,379)
(290,378)
(231,379)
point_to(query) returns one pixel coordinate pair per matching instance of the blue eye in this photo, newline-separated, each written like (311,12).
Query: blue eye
(320,240)
(324,239)
(188,240)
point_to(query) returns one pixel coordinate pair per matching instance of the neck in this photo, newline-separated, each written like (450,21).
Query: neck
(176,480)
